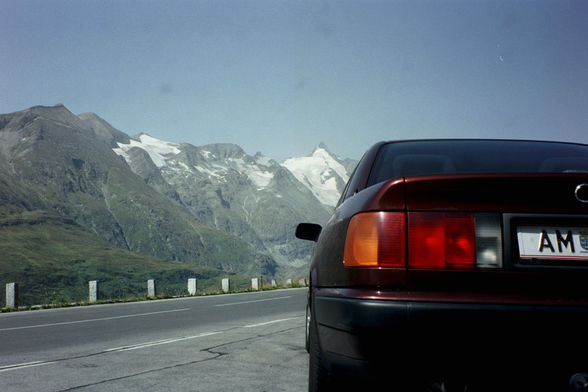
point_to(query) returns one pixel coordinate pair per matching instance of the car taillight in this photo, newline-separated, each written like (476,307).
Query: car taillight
(376,239)
(441,240)
(436,240)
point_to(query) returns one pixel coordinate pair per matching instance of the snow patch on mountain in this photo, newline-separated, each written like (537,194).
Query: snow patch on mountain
(209,172)
(207,154)
(319,173)
(256,175)
(158,150)
(259,178)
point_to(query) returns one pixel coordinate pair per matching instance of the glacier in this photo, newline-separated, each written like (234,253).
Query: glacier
(157,149)
(321,172)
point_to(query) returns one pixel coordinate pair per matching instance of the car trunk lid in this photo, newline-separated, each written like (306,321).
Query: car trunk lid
(519,193)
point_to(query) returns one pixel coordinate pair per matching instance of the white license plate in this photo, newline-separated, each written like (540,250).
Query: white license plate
(553,243)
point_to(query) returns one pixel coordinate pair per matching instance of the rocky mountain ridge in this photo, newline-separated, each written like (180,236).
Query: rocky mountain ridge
(211,205)
(252,197)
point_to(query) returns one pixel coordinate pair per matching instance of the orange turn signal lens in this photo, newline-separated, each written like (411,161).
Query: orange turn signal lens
(376,239)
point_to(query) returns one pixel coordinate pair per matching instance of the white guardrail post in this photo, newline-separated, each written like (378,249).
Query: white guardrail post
(225,285)
(192,286)
(93,291)
(11,295)
(255,284)
(150,288)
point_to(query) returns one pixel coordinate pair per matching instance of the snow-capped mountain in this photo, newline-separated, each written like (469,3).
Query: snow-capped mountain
(321,172)
(252,197)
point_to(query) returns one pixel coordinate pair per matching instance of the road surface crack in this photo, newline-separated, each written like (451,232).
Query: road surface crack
(141,373)
(217,354)
(220,354)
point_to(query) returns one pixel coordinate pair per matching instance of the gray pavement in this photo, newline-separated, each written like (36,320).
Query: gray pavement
(247,342)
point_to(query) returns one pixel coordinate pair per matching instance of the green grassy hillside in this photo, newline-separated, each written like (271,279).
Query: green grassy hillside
(52,258)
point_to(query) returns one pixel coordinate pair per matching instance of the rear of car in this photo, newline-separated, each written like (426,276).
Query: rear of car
(454,260)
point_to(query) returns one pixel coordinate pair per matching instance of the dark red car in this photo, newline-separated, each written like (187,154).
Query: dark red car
(454,264)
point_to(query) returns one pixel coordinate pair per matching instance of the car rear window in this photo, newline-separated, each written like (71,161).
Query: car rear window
(416,158)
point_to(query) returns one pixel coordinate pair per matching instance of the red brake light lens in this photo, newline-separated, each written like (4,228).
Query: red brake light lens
(441,240)
(376,239)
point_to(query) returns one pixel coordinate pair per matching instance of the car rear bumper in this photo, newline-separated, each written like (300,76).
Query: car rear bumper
(444,336)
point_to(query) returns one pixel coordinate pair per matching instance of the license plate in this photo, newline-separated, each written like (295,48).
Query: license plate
(553,243)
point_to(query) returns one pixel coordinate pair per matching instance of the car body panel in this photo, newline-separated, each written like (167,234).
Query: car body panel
(363,329)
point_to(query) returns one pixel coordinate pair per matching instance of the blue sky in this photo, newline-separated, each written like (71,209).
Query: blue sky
(281,76)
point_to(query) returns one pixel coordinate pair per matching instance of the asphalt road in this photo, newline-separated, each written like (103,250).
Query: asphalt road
(238,342)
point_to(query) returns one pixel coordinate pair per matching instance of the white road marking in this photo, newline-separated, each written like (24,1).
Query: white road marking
(250,302)
(24,365)
(92,320)
(269,322)
(158,342)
